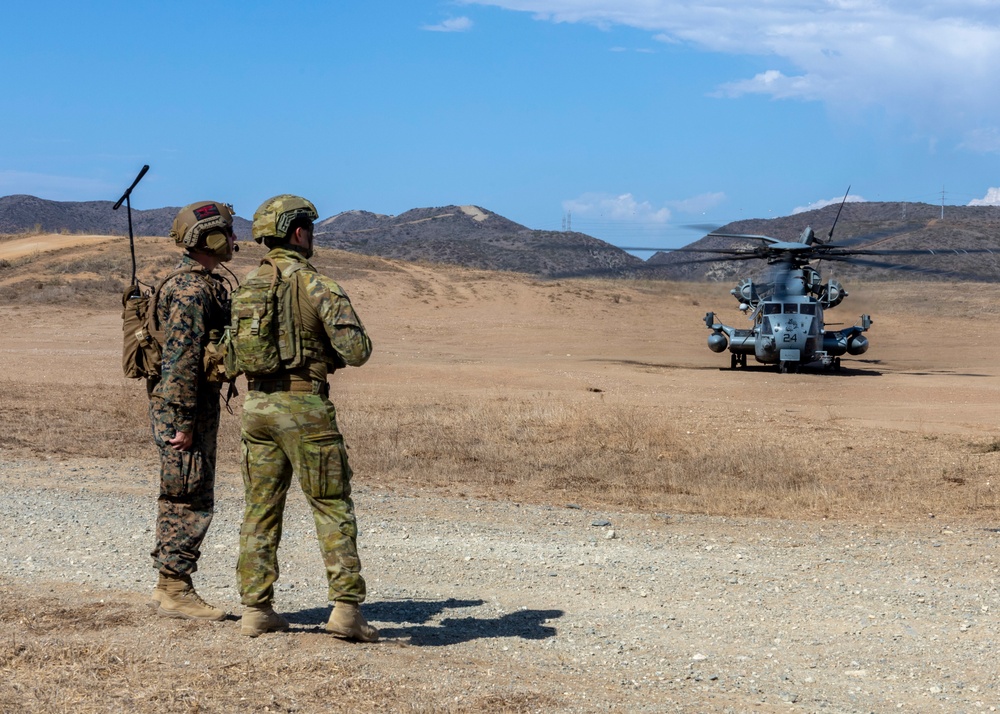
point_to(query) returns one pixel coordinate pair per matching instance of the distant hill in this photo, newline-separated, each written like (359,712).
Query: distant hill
(20,213)
(461,235)
(915,227)
(473,237)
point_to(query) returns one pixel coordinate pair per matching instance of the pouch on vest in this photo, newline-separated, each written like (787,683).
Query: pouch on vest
(142,345)
(263,330)
(140,351)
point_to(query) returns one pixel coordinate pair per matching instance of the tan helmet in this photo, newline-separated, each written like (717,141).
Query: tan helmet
(276,214)
(205,226)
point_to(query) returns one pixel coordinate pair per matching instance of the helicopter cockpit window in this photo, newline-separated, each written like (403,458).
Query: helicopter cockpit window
(791,308)
(772,308)
(807,309)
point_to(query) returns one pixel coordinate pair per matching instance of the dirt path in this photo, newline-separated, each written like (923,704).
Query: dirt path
(538,608)
(21,247)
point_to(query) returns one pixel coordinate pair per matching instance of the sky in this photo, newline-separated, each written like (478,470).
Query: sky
(629,120)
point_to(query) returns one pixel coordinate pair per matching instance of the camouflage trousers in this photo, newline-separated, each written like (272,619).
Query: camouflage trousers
(187,487)
(286,434)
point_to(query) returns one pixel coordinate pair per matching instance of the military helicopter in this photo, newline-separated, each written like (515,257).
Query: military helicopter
(787,308)
(787,312)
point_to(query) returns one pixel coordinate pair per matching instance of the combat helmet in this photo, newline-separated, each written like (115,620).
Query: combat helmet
(204,226)
(276,214)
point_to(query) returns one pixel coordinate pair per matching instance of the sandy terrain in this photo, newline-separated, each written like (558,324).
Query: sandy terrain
(545,601)
(21,247)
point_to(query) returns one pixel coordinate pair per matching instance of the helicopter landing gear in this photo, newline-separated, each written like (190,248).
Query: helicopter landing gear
(836,364)
(786,366)
(736,360)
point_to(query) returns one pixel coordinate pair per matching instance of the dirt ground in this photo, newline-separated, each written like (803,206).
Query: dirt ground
(443,336)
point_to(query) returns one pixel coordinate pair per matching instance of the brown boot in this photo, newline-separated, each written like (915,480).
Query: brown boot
(347,622)
(179,599)
(154,599)
(258,620)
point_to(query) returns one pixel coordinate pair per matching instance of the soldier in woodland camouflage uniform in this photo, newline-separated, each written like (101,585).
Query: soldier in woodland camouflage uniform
(290,427)
(184,406)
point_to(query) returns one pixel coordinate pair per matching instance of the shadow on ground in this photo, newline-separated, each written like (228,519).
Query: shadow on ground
(420,622)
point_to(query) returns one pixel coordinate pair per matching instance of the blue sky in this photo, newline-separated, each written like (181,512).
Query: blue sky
(632,117)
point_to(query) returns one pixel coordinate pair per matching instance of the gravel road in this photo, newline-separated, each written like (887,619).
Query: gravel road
(599,611)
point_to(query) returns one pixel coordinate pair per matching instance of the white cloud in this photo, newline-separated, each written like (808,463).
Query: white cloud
(774,83)
(932,62)
(992,198)
(982,141)
(452,24)
(622,208)
(851,198)
(698,204)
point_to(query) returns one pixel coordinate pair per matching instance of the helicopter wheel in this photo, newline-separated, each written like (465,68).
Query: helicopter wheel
(836,364)
(783,367)
(734,361)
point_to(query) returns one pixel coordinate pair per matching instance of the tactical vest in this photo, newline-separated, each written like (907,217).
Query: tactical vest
(142,345)
(267,335)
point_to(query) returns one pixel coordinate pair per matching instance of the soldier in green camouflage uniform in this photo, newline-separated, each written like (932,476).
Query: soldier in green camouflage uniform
(192,308)
(290,428)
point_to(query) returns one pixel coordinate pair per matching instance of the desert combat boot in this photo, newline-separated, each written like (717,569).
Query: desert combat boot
(257,620)
(347,622)
(177,598)
(154,599)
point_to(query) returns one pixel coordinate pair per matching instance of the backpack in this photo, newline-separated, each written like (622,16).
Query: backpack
(262,337)
(142,345)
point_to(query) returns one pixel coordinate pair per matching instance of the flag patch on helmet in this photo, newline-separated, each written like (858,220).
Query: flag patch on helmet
(209,211)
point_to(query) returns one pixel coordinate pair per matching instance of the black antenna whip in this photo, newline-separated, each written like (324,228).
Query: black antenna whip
(131,239)
(829,236)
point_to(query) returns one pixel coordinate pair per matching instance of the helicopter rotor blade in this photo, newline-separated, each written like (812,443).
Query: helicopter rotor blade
(707,227)
(916,251)
(731,256)
(877,235)
(905,268)
(717,251)
(749,236)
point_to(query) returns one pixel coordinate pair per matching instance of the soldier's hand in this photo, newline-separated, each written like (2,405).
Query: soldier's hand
(182,440)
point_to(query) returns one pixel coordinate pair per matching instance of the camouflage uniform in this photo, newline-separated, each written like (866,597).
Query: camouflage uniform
(189,307)
(290,427)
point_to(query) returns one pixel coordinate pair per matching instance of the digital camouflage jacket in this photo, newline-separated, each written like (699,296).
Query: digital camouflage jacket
(191,305)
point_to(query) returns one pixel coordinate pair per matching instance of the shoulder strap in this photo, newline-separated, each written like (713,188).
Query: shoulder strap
(152,323)
(292,268)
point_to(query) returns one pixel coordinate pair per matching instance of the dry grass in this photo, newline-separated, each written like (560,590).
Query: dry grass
(624,456)
(52,662)
(100,656)
(545,449)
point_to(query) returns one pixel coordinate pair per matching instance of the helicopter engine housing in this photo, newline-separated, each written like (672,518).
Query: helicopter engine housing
(857,345)
(745,291)
(834,344)
(717,342)
(833,293)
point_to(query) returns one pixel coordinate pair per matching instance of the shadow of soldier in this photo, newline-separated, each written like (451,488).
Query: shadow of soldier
(415,622)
